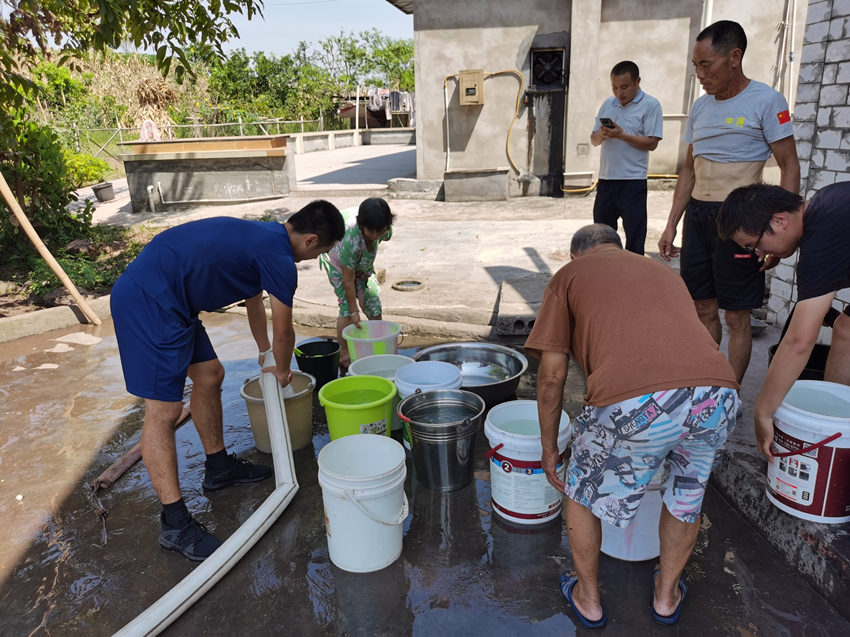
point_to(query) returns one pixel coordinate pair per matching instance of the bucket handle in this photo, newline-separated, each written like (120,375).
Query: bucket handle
(490,453)
(405,509)
(837,434)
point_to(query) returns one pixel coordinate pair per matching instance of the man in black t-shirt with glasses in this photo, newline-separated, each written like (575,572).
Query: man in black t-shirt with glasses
(771,221)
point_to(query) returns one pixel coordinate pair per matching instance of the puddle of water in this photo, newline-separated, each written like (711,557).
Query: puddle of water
(462,570)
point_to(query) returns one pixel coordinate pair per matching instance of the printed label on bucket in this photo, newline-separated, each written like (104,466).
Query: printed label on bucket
(520,488)
(378,427)
(812,483)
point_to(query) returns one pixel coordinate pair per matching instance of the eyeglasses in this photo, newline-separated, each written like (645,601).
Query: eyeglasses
(752,249)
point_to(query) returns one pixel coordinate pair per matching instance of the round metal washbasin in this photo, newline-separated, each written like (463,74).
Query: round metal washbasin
(489,370)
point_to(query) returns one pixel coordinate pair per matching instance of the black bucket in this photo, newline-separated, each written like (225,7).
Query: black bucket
(319,359)
(816,365)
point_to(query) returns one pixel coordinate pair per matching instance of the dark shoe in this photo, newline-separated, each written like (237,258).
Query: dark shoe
(239,472)
(568,582)
(666,619)
(193,541)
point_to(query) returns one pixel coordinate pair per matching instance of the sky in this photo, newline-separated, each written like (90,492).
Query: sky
(287,22)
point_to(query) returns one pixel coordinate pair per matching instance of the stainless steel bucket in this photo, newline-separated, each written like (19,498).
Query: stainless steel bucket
(442,425)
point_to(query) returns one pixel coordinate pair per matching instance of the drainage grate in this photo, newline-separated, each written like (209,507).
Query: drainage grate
(408,285)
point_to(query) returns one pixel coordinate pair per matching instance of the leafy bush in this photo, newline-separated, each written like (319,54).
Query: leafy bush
(84,169)
(94,273)
(34,167)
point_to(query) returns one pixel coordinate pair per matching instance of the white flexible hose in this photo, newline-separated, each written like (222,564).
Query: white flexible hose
(192,587)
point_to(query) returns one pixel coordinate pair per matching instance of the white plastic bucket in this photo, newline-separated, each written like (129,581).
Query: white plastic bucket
(518,485)
(362,479)
(371,338)
(425,376)
(385,365)
(810,473)
(639,541)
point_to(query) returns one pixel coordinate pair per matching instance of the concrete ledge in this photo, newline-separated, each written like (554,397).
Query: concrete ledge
(519,302)
(820,552)
(52,318)
(486,184)
(377,136)
(406,188)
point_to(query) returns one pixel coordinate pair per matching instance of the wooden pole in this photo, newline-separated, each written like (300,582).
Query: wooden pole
(45,253)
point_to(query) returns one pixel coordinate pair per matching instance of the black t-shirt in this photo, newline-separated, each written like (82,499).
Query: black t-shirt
(824,264)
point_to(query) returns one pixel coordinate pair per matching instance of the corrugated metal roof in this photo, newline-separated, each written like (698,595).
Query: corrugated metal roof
(405,6)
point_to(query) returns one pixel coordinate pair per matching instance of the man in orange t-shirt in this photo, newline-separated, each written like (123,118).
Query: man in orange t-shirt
(660,397)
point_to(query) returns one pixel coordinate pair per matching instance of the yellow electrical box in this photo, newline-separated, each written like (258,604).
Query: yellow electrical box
(471,85)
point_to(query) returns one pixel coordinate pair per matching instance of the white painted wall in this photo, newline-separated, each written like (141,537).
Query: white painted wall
(497,34)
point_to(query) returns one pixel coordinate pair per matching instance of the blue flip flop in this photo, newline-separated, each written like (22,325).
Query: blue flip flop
(669,620)
(568,582)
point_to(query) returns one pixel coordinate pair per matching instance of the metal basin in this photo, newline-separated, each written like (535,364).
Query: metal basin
(489,370)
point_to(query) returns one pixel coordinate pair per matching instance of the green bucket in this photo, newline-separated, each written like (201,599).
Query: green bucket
(358,405)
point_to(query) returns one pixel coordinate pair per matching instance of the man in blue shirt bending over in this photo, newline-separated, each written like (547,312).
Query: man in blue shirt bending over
(196,267)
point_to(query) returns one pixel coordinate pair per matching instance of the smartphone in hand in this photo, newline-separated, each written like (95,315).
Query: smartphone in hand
(606,122)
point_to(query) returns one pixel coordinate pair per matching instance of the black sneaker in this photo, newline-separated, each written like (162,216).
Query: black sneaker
(194,542)
(239,472)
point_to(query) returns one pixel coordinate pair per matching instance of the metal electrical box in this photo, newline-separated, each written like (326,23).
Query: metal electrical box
(471,85)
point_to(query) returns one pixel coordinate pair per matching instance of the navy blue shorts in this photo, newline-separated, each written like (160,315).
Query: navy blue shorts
(715,269)
(156,346)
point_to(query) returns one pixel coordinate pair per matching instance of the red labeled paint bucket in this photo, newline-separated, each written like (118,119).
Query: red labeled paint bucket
(519,490)
(810,474)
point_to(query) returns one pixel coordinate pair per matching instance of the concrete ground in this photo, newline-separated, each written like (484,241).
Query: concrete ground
(462,570)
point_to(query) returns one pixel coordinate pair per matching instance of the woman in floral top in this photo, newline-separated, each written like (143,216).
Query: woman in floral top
(351,266)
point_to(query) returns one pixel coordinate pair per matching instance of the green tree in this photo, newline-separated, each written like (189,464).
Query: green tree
(346,59)
(390,60)
(31,29)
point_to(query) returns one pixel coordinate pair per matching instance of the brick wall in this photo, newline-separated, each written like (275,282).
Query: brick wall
(821,128)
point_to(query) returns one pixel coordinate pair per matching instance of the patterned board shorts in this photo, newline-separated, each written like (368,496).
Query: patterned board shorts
(618,450)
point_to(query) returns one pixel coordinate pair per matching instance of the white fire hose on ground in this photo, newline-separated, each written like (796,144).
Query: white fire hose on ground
(192,587)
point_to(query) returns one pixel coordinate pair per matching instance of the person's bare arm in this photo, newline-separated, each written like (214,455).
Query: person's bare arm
(785,153)
(350,293)
(681,197)
(283,340)
(551,376)
(790,359)
(258,323)
(597,137)
(641,142)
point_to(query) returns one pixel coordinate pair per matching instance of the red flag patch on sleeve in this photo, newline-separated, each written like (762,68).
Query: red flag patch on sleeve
(784,117)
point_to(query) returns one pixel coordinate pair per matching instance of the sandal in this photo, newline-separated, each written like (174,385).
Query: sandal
(668,620)
(568,583)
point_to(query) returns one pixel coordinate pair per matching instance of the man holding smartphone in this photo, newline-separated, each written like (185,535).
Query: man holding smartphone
(628,126)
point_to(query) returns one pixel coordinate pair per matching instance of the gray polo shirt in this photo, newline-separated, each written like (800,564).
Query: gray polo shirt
(641,116)
(740,128)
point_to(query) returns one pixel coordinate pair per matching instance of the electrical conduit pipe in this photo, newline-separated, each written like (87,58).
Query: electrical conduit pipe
(192,587)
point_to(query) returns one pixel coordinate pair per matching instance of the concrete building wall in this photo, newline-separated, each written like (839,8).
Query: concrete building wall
(495,35)
(821,128)
(451,36)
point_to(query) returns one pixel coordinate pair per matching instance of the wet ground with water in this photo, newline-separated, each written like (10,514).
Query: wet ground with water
(463,571)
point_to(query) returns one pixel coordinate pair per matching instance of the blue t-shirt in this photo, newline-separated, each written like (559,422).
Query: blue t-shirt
(641,116)
(824,264)
(208,264)
(740,128)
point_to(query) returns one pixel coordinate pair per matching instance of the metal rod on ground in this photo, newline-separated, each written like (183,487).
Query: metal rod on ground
(45,253)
